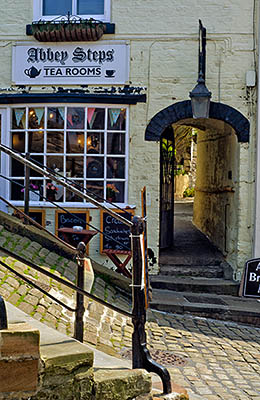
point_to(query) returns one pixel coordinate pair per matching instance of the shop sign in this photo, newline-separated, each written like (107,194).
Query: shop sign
(250,283)
(86,64)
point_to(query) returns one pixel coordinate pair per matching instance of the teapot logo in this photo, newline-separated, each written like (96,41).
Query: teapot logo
(32,72)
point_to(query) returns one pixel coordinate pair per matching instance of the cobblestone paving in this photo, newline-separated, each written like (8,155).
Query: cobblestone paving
(223,359)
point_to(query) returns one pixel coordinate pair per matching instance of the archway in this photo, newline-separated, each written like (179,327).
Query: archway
(218,151)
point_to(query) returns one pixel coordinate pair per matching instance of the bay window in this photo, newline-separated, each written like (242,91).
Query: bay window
(85,144)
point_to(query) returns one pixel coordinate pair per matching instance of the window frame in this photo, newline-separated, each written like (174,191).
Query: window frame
(38,14)
(7,140)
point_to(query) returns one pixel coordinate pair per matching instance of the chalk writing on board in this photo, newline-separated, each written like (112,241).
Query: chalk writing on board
(115,231)
(69,220)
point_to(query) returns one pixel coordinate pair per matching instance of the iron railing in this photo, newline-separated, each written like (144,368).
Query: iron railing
(140,355)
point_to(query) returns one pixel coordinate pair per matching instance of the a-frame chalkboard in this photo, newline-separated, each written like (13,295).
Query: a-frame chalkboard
(115,229)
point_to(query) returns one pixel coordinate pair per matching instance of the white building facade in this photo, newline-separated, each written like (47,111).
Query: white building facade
(95,103)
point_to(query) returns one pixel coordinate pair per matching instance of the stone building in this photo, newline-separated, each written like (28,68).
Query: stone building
(101,104)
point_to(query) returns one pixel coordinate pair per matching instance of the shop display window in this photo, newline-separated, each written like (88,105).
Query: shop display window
(87,145)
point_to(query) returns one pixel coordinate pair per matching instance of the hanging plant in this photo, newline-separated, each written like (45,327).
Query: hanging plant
(68,30)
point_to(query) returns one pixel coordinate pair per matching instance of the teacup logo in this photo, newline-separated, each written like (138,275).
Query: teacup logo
(110,73)
(32,72)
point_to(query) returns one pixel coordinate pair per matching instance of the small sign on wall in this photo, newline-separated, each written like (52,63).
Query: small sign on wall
(65,64)
(250,284)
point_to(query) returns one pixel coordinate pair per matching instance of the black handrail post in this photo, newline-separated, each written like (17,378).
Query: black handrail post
(141,357)
(3,315)
(80,309)
(139,313)
(26,189)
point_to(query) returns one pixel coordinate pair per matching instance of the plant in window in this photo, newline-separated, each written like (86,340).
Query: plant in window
(111,192)
(51,191)
(31,186)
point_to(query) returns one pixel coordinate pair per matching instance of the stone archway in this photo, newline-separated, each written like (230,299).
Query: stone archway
(182,110)
(223,117)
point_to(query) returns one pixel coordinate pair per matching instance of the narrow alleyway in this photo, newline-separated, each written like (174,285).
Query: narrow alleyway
(191,247)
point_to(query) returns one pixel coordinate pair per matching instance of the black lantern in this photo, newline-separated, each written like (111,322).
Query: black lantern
(200,100)
(200,95)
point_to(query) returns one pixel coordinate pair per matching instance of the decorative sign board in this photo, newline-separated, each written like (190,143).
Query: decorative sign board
(66,64)
(115,230)
(250,284)
(64,220)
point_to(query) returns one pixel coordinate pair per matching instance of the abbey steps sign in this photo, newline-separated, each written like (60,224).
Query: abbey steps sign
(250,284)
(66,64)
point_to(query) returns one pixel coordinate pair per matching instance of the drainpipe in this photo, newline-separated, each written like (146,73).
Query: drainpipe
(257,181)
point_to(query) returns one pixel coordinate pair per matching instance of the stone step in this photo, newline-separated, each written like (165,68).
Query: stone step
(209,271)
(195,285)
(225,308)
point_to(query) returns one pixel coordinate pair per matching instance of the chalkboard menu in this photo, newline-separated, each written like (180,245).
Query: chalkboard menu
(74,218)
(250,283)
(38,215)
(117,234)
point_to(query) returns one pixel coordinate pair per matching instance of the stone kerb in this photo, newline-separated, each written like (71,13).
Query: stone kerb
(19,361)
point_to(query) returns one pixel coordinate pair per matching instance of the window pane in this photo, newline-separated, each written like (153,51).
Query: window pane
(57,7)
(90,7)
(35,144)
(95,167)
(17,168)
(36,118)
(95,143)
(18,141)
(74,167)
(55,118)
(16,190)
(96,188)
(19,118)
(116,119)
(96,118)
(55,142)
(55,163)
(115,167)
(75,142)
(116,143)
(75,118)
(70,196)
(115,191)
(38,159)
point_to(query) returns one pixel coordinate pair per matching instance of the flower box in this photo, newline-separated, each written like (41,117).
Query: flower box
(68,30)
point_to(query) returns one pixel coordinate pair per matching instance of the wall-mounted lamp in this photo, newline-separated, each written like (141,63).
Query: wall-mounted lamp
(200,95)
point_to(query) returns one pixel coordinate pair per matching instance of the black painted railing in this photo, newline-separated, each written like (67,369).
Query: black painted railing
(140,355)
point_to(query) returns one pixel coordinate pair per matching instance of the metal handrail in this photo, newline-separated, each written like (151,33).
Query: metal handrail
(52,176)
(60,280)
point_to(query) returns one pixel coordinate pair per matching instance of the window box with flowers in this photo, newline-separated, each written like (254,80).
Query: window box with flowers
(68,30)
